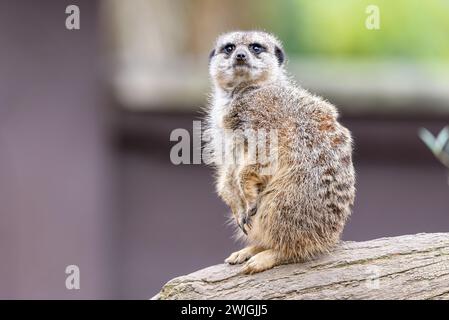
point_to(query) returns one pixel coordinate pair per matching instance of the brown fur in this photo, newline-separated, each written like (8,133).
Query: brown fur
(298,211)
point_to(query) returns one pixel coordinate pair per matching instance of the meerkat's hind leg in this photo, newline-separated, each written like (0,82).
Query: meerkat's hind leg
(243,255)
(262,261)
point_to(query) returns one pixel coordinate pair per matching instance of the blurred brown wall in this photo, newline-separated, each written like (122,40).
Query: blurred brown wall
(55,186)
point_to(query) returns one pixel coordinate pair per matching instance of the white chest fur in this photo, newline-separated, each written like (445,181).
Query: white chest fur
(219,109)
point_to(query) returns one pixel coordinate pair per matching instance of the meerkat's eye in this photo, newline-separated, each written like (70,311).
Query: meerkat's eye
(256,48)
(228,48)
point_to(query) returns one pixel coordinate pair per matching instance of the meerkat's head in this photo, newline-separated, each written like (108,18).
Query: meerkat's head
(246,58)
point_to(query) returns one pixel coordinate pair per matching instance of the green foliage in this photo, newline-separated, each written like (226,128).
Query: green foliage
(412,29)
(439,145)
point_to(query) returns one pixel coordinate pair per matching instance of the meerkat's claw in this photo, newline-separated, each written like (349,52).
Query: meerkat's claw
(250,213)
(252,210)
(242,223)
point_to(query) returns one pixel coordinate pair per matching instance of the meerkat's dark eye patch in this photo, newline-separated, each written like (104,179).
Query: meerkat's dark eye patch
(279,55)
(228,48)
(257,48)
(211,54)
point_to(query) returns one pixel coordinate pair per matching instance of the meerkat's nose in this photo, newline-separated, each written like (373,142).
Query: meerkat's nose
(240,56)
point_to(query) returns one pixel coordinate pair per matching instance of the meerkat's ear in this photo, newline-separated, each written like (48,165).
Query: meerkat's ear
(211,54)
(279,55)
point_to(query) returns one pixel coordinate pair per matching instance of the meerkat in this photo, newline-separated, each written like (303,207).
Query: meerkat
(298,210)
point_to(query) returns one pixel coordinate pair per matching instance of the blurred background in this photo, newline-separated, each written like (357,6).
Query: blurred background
(86,115)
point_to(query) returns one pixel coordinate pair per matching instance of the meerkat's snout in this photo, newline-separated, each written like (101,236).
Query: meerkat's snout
(241,58)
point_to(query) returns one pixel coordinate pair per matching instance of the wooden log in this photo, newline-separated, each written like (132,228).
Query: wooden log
(404,267)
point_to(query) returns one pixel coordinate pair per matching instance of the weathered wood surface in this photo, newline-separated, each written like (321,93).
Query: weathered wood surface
(405,267)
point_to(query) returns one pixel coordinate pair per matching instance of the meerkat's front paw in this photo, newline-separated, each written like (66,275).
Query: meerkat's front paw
(252,210)
(260,262)
(242,255)
(244,223)
(245,220)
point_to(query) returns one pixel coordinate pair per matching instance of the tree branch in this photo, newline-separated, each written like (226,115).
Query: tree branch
(405,267)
